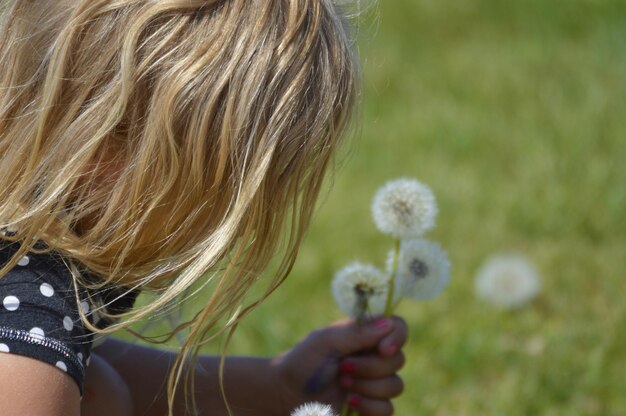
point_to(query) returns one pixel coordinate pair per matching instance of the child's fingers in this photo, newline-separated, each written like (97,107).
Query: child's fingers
(394,341)
(370,407)
(372,366)
(346,337)
(382,389)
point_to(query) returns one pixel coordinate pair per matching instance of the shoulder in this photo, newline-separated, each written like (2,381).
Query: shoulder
(40,326)
(34,388)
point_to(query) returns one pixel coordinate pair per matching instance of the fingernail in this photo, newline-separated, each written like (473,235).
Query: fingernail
(346,381)
(347,367)
(354,401)
(382,324)
(391,349)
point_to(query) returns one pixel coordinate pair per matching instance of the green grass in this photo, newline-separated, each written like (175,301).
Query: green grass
(514,112)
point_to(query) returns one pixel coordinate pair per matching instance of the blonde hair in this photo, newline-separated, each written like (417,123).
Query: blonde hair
(164,143)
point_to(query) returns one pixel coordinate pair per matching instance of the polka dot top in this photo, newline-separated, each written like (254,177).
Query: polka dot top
(39,313)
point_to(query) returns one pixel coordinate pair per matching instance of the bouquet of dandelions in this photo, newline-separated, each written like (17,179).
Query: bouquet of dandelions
(417,268)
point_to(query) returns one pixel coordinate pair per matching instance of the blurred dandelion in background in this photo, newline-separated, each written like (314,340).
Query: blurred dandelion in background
(507,281)
(404,208)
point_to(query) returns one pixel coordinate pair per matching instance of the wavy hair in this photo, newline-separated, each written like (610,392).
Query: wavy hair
(162,144)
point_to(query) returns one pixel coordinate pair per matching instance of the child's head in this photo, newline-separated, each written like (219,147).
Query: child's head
(147,137)
(153,140)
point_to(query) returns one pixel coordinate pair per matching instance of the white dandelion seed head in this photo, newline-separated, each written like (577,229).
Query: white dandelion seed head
(423,270)
(364,277)
(313,409)
(507,281)
(404,208)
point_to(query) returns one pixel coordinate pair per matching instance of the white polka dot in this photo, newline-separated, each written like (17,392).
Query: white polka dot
(37,333)
(84,306)
(11,303)
(80,356)
(46,289)
(4,348)
(68,323)
(61,365)
(24,261)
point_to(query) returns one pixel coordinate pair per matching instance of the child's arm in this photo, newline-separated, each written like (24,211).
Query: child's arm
(34,388)
(145,371)
(370,357)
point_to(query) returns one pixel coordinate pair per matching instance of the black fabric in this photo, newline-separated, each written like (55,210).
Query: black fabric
(39,315)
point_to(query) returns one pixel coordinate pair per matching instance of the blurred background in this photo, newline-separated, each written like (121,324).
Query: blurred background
(514,113)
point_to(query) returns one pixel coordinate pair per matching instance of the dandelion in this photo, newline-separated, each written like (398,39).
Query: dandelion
(404,208)
(507,281)
(423,270)
(360,288)
(313,409)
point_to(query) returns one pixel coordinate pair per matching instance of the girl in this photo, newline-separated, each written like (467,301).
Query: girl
(159,146)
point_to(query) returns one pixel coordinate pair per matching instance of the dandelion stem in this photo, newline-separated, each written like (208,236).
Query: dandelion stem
(392,278)
(346,410)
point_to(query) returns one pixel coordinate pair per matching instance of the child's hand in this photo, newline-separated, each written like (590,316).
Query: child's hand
(346,361)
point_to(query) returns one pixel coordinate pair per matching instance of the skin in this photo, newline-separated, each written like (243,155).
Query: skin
(370,356)
(34,388)
(102,384)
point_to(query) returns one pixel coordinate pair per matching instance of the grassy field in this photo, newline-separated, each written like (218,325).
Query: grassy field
(514,112)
